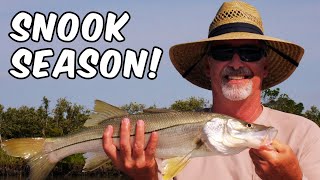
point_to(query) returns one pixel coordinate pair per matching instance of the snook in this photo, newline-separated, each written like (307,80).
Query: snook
(182,135)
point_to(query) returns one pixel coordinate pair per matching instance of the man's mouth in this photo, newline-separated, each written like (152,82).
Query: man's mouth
(237,77)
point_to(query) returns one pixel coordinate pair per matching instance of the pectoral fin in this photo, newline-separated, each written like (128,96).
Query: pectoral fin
(173,166)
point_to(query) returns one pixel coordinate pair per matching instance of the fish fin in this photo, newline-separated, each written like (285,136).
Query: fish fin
(23,147)
(40,167)
(94,160)
(95,119)
(103,111)
(158,110)
(31,149)
(173,166)
(103,107)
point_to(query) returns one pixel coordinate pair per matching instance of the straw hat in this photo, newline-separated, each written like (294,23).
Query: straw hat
(236,20)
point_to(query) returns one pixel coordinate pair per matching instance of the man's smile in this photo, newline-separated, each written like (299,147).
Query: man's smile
(237,77)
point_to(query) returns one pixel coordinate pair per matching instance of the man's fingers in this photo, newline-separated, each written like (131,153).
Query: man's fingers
(125,146)
(152,146)
(259,164)
(138,146)
(278,146)
(109,148)
(271,154)
(256,154)
(132,158)
(265,153)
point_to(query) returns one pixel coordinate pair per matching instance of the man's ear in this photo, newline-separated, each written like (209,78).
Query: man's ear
(265,70)
(207,66)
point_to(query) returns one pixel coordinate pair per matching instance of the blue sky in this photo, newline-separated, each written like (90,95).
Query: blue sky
(155,23)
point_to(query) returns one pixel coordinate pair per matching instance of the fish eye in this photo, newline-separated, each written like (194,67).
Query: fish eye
(249,125)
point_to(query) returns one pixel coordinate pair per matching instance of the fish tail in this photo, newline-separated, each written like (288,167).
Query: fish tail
(40,167)
(33,150)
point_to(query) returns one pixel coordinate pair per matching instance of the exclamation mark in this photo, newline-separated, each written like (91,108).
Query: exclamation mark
(154,63)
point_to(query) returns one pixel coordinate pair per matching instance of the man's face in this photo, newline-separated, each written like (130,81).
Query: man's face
(234,78)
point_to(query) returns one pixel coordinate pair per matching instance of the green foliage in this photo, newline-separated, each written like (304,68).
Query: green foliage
(75,159)
(1,112)
(21,122)
(133,108)
(31,122)
(313,114)
(136,108)
(68,117)
(190,104)
(281,102)
(9,160)
(270,95)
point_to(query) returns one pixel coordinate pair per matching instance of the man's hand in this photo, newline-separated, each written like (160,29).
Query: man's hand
(276,162)
(136,161)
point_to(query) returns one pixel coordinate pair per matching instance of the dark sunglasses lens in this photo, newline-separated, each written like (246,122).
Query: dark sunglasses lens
(222,54)
(247,54)
(251,54)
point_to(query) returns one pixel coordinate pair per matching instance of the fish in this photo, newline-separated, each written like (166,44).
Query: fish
(182,136)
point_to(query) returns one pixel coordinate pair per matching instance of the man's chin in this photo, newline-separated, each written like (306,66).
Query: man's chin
(237,92)
(233,97)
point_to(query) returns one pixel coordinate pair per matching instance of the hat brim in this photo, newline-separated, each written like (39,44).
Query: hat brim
(183,56)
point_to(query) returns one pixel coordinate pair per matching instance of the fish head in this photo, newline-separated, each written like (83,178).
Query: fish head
(253,135)
(226,135)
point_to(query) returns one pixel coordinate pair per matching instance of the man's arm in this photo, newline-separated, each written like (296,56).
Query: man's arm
(135,161)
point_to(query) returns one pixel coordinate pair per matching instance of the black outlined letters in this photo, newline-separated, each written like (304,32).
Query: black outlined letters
(87,64)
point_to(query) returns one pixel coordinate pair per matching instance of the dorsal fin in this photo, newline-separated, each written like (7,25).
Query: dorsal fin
(103,107)
(103,111)
(158,110)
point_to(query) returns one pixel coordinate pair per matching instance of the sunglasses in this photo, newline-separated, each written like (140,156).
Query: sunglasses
(246,53)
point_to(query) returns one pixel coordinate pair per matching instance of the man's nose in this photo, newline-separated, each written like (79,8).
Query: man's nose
(236,62)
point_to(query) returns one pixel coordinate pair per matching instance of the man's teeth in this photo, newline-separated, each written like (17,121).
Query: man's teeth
(236,77)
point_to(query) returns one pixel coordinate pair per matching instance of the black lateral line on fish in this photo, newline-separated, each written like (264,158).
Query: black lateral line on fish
(148,132)
(131,135)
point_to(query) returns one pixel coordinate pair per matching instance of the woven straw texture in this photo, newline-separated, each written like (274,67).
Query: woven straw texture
(183,56)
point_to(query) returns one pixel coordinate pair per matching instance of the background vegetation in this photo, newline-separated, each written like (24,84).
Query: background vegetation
(66,117)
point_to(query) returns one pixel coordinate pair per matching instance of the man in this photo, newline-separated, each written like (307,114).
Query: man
(236,62)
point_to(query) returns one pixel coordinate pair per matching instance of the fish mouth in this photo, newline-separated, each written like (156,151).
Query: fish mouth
(270,136)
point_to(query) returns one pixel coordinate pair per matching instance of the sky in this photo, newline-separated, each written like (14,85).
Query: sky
(153,24)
